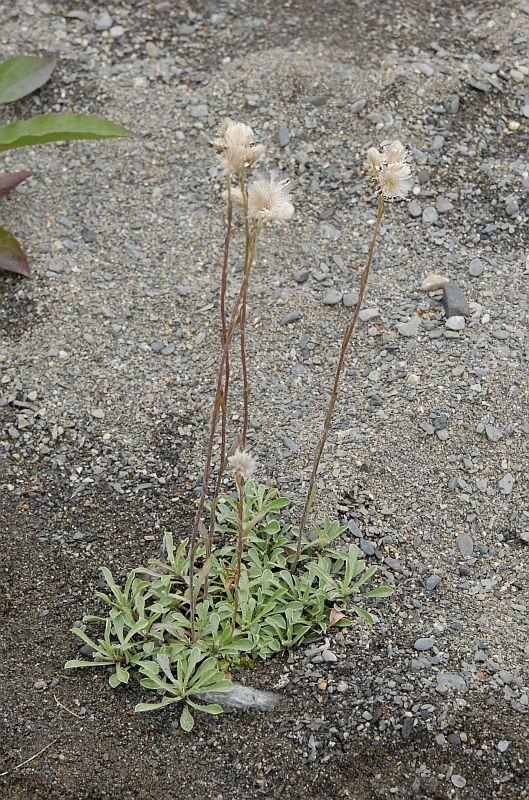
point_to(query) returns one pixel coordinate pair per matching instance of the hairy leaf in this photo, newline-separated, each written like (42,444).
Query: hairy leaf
(9,180)
(21,75)
(46,128)
(12,257)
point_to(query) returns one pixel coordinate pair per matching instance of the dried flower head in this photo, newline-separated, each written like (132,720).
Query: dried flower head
(234,146)
(390,170)
(375,158)
(268,200)
(243,464)
(395,180)
(395,153)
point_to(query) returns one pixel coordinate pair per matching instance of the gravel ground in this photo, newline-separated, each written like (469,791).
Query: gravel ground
(107,365)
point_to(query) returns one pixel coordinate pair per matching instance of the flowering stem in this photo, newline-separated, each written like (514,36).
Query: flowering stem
(217,407)
(251,238)
(334,395)
(225,388)
(240,544)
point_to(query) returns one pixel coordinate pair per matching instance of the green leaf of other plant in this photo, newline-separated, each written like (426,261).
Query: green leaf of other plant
(21,75)
(12,257)
(46,128)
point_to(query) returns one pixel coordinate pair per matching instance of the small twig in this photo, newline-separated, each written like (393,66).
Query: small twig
(77,716)
(31,758)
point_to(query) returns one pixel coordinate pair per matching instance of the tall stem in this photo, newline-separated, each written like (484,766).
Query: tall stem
(225,388)
(240,545)
(334,394)
(250,236)
(217,406)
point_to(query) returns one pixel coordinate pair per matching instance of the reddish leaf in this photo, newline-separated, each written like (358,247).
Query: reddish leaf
(8,181)
(12,257)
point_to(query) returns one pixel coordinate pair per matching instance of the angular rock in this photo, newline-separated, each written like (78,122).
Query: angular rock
(454,301)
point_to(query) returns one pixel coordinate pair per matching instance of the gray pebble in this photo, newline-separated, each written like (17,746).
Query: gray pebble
(493,434)
(430,215)
(424,68)
(450,681)
(103,21)
(414,209)
(458,781)
(511,207)
(465,544)
(455,323)
(283,136)
(368,548)
(407,728)
(432,282)
(289,318)
(199,111)
(410,328)
(350,299)
(329,656)
(503,744)
(290,444)
(367,314)
(432,582)
(475,268)
(506,483)
(181,290)
(358,106)
(332,297)
(443,204)
(301,275)
(454,301)
(424,644)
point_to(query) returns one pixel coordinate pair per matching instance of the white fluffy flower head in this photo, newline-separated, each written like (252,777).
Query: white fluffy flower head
(390,170)
(243,464)
(268,200)
(234,146)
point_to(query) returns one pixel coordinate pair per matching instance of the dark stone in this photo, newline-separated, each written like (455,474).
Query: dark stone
(454,301)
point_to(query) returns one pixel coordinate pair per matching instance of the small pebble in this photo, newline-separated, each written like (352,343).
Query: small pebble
(332,297)
(432,282)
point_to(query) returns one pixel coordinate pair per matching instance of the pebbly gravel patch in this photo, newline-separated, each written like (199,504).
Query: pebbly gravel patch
(107,364)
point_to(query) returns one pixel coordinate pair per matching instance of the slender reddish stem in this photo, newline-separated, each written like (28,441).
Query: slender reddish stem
(334,394)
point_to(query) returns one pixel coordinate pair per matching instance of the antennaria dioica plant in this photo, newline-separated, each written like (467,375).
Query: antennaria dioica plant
(249,585)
